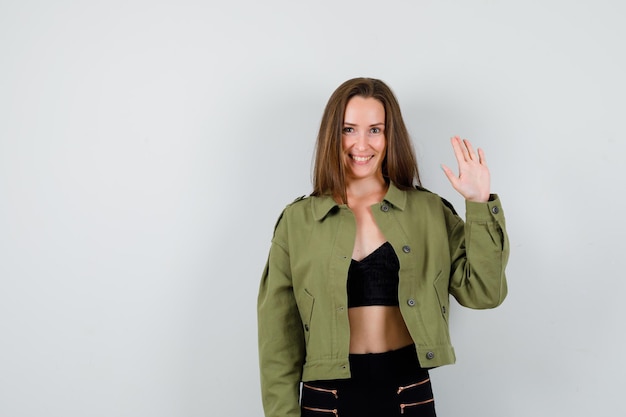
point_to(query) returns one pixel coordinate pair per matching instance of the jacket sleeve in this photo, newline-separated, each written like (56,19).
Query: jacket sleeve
(280,333)
(479,250)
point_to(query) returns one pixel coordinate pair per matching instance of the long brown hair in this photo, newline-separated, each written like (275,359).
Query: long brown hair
(399,164)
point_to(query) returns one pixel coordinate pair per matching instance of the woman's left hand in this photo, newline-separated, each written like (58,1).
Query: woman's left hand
(473,181)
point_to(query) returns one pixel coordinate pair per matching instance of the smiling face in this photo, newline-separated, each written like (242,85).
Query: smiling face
(363,138)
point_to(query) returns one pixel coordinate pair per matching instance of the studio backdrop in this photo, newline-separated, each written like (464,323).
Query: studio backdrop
(148,147)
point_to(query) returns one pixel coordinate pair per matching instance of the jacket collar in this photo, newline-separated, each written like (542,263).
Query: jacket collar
(322,205)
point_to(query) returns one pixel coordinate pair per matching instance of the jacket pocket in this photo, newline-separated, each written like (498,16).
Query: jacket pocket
(443,297)
(307,302)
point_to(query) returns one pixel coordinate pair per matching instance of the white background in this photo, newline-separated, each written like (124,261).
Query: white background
(147,148)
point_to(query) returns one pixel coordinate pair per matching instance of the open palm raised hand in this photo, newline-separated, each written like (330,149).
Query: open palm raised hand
(473,181)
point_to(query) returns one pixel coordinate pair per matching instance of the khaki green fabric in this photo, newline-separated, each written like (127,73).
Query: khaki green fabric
(303,331)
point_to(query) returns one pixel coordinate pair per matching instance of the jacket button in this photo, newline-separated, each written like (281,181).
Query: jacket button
(495,210)
(411,302)
(406,249)
(384,208)
(306,327)
(430,355)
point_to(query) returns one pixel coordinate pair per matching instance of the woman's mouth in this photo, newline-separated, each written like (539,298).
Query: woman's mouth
(361,158)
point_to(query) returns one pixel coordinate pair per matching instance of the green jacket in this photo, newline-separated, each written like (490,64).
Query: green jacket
(303,331)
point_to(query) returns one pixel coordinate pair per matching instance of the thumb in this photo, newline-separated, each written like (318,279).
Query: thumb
(451,176)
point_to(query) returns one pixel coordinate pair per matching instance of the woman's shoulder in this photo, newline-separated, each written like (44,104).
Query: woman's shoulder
(311,207)
(299,206)
(421,195)
(299,200)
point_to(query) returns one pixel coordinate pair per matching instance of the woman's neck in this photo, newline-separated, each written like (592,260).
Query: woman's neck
(367,190)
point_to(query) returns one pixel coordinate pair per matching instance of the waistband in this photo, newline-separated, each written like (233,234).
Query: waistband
(394,363)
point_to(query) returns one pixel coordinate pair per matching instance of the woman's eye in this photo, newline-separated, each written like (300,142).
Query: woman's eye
(375,130)
(348,130)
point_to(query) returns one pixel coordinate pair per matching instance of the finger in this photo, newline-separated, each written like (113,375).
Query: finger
(459,152)
(466,152)
(450,174)
(470,149)
(481,155)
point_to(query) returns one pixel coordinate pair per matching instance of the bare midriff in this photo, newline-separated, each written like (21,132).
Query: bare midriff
(377,329)
(373,329)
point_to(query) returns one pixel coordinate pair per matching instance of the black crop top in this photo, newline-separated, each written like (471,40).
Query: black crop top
(374,280)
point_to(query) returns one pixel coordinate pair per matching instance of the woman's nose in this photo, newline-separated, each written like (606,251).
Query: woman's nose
(361,141)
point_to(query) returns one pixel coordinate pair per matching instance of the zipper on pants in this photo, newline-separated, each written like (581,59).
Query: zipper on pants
(322,410)
(330,391)
(403,406)
(326,391)
(417,384)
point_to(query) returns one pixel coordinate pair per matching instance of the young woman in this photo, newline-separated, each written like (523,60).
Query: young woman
(354,299)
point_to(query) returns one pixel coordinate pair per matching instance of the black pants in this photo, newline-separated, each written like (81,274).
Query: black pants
(382,385)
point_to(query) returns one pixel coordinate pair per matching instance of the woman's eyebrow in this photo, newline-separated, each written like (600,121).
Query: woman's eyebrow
(354,124)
